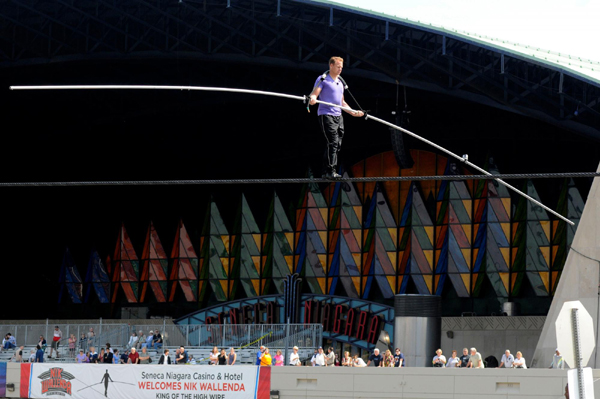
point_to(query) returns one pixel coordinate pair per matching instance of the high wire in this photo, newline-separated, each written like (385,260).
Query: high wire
(305,99)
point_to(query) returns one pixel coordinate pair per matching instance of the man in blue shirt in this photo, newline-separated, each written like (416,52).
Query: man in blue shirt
(330,88)
(398,358)
(259,355)
(39,355)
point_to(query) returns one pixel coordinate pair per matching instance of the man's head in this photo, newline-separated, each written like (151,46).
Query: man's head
(507,353)
(262,348)
(397,351)
(336,64)
(465,351)
(166,352)
(92,349)
(557,352)
(144,350)
(320,349)
(438,352)
(376,351)
(473,351)
(181,348)
(133,350)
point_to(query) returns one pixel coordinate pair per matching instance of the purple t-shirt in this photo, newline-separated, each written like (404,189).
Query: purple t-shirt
(332,91)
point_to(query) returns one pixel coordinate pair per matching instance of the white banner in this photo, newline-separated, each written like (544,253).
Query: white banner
(88,381)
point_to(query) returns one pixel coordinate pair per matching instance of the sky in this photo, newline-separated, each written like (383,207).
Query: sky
(566,26)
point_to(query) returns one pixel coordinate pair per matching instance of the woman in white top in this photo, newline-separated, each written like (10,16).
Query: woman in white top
(214,356)
(132,340)
(295,357)
(519,362)
(453,361)
(359,362)
(347,360)
(439,360)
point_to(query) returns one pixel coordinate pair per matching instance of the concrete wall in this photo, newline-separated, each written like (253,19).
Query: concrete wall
(493,335)
(417,383)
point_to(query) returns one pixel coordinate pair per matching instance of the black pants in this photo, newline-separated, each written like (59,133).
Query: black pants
(333,129)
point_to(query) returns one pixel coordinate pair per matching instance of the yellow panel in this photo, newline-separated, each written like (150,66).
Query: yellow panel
(546,254)
(554,251)
(225,240)
(514,254)
(506,255)
(356,282)
(429,231)
(514,229)
(323,235)
(357,234)
(466,278)
(474,281)
(257,240)
(321,281)
(467,205)
(329,282)
(506,230)
(289,260)
(262,287)
(555,226)
(429,282)
(545,276)
(323,212)
(394,234)
(357,259)
(256,261)
(392,256)
(256,285)
(506,204)
(467,229)
(224,287)
(504,277)
(546,227)
(323,260)
(358,211)
(289,237)
(467,255)
(513,278)
(392,282)
(429,255)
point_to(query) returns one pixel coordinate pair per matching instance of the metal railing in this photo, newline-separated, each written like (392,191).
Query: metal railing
(247,335)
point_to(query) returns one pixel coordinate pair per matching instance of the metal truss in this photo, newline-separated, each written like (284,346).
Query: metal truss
(300,34)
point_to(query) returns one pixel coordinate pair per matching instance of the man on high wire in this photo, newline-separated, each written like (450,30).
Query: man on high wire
(329,87)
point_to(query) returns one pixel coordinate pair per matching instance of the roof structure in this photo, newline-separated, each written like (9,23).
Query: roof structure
(303,34)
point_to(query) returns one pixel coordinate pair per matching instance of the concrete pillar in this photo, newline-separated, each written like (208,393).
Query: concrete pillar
(417,327)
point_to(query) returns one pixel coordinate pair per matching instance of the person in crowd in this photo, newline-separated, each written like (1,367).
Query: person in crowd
(213,357)
(337,360)
(266,359)
(56,337)
(134,356)
(164,358)
(278,358)
(81,357)
(319,358)
(124,357)
(330,357)
(39,354)
(314,357)
(359,362)
(108,348)
(157,340)
(91,335)
(192,360)
(222,358)
(376,358)
(464,359)
(149,338)
(144,356)
(9,342)
(141,340)
(116,357)
(92,355)
(295,357)
(18,355)
(475,360)
(132,340)
(439,360)
(398,358)
(72,343)
(108,356)
(42,343)
(507,360)
(519,362)
(347,360)
(232,357)
(453,360)
(182,358)
(388,359)
(101,356)
(259,354)
(557,361)
(83,342)
(31,356)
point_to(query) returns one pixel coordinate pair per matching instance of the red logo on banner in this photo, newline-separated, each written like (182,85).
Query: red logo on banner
(56,380)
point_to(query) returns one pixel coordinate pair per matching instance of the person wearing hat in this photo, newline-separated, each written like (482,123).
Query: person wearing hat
(141,340)
(260,354)
(148,343)
(557,361)
(295,357)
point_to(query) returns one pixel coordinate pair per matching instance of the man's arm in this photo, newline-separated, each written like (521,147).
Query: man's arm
(313,95)
(353,112)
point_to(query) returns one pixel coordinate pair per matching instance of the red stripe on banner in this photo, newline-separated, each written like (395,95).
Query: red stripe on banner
(25,377)
(264,383)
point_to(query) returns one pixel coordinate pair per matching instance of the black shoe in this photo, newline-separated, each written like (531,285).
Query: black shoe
(331,175)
